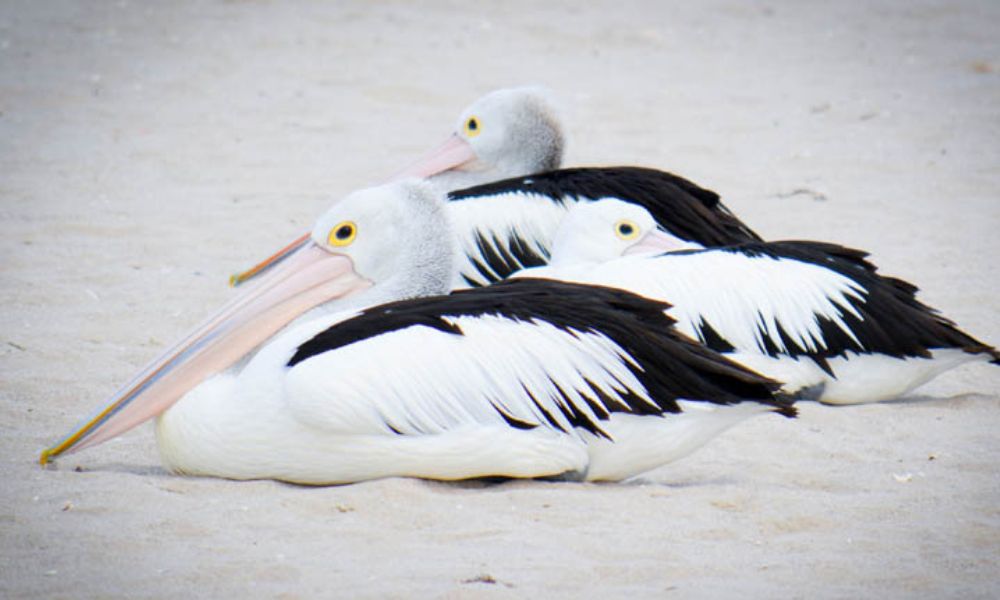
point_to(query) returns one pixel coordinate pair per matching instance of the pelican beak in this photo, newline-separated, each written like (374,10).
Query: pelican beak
(309,277)
(657,241)
(454,153)
(237,279)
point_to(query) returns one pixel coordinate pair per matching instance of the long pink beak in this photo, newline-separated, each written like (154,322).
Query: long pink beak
(658,242)
(454,153)
(310,277)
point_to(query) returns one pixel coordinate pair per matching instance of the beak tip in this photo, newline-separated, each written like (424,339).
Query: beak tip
(47,455)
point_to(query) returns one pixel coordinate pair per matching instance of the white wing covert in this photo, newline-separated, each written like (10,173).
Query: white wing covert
(421,380)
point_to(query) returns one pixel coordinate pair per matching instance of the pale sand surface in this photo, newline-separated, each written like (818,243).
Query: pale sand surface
(148,150)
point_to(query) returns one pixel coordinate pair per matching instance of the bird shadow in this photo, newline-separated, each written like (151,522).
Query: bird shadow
(505,484)
(953,401)
(919,400)
(116,467)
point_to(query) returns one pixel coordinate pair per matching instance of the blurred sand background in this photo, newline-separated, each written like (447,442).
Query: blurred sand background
(148,150)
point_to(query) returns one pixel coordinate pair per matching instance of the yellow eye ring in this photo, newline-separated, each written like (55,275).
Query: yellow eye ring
(472,127)
(343,234)
(626,230)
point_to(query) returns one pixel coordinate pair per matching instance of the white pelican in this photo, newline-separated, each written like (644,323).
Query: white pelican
(815,316)
(528,378)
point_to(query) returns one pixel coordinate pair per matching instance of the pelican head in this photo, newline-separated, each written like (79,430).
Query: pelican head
(389,241)
(506,133)
(396,235)
(608,228)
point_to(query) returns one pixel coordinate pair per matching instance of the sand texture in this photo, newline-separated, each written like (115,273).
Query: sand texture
(148,150)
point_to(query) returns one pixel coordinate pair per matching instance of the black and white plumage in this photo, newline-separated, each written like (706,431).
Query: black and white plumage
(508,225)
(813,315)
(524,379)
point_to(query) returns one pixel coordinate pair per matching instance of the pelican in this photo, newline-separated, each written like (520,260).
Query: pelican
(507,197)
(529,378)
(815,316)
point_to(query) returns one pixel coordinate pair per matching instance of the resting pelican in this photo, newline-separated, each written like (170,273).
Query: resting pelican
(815,316)
(528,378)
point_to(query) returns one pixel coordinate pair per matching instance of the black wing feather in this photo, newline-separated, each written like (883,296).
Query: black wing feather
(893,321)
(681,207)
(669,365)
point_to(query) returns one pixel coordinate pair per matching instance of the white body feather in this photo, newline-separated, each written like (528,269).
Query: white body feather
(535,217)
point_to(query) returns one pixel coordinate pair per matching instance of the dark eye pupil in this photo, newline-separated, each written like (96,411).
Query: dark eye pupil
(625,229)
(473,125)
(344,232)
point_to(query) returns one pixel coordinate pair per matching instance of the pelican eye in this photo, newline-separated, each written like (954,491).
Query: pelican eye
(472,127)
(343,234)
(626,230)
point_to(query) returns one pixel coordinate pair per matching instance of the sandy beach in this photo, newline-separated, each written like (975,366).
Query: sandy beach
(148,150)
